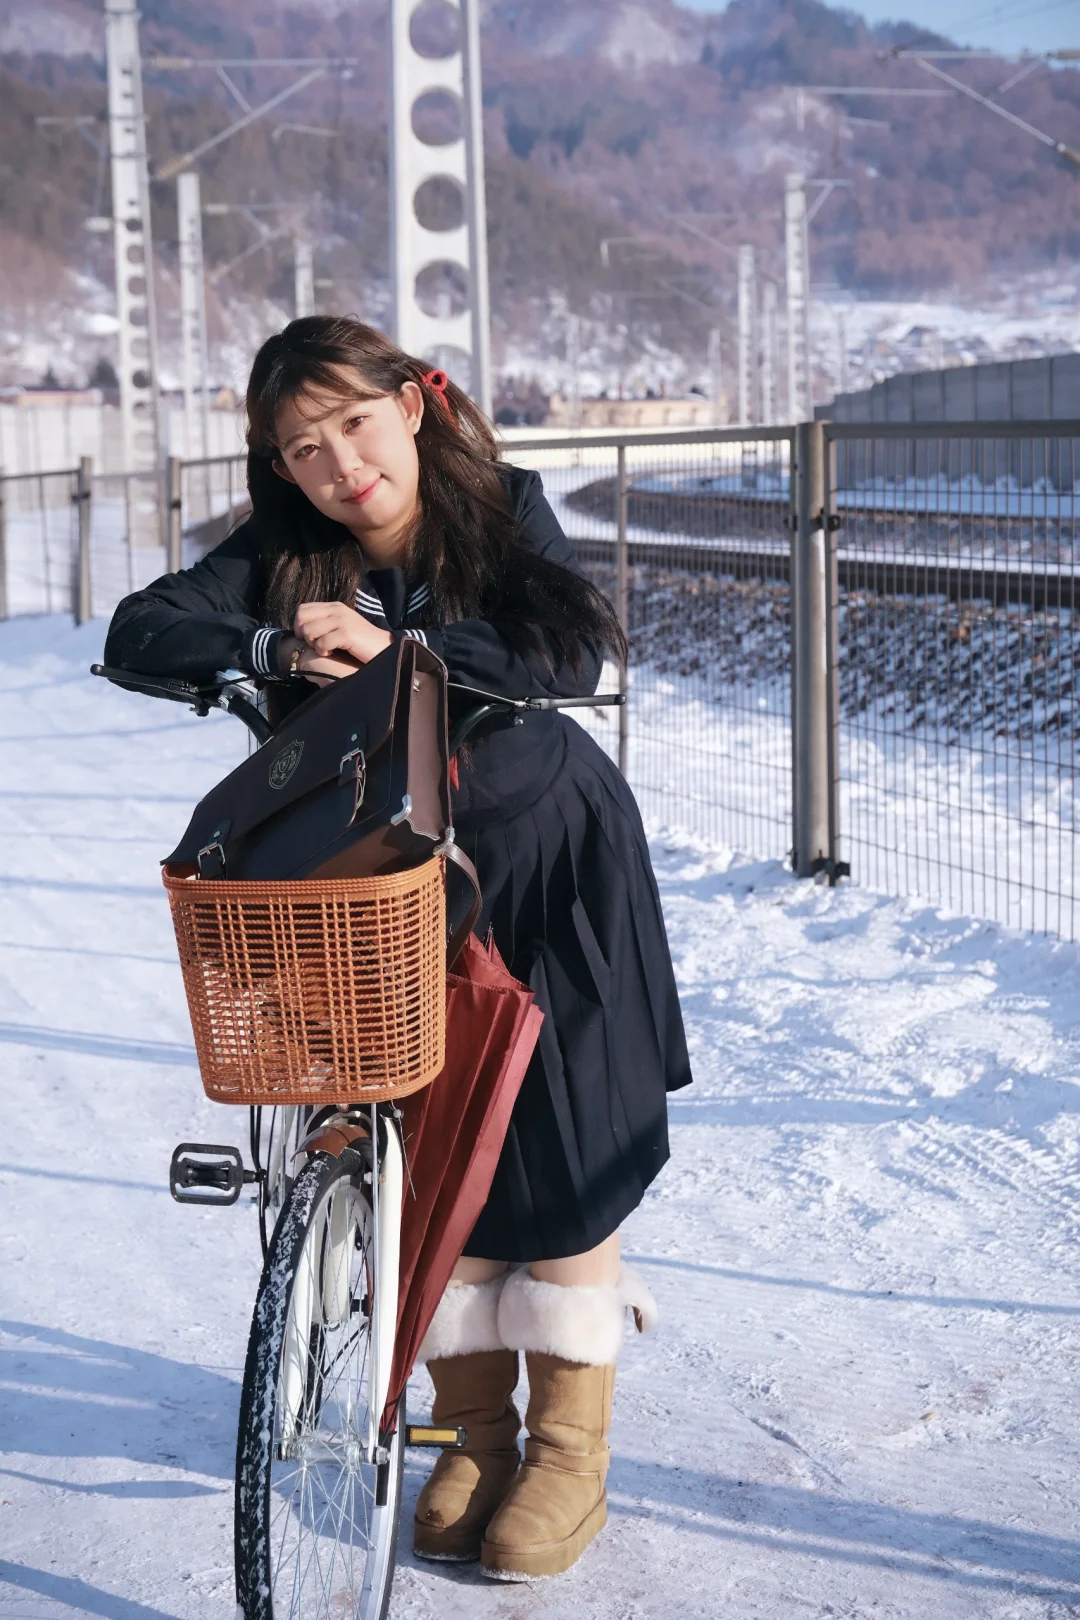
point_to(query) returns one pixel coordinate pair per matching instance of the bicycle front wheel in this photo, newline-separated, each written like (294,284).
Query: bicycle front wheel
(318,1490)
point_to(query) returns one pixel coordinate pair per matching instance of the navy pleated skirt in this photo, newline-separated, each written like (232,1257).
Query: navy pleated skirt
(570,894)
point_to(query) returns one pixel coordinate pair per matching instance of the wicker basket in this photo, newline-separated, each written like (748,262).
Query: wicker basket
(314,991)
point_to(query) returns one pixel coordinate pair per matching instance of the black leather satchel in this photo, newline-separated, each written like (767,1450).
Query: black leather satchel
(353,784)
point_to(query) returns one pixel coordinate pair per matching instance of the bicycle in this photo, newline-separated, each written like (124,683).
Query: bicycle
(318,1478)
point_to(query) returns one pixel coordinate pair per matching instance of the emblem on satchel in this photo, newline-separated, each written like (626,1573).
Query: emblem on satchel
(285,764)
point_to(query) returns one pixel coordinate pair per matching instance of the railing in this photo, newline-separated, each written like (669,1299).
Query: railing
(853,644)
(41,558)
(206,500)
(75,542)
(687,531)
(955,664)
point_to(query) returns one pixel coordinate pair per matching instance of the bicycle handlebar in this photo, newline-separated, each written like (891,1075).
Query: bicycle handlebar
(233,691)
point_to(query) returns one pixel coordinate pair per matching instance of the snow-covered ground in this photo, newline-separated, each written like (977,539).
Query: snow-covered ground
(862,1399)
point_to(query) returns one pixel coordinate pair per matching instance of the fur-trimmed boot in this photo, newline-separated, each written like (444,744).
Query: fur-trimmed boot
(474,1376)
(571,1339)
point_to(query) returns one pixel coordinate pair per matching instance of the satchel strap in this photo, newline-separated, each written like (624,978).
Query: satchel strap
(456,943)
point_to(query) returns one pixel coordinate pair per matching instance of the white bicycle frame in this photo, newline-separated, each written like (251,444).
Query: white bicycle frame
(386,1190)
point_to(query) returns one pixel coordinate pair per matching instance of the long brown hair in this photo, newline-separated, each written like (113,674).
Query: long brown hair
(464,543)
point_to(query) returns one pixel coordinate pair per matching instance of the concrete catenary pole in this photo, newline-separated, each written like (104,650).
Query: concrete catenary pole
(193,337)
(303,276)
(134,263)
(747,301)
(573,371)
(456,340)
(768,353)
(476,204)
(797,270)
(716,378)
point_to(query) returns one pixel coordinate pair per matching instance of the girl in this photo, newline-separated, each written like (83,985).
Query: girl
(380,509)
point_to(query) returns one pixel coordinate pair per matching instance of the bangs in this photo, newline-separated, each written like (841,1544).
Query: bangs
(309,385)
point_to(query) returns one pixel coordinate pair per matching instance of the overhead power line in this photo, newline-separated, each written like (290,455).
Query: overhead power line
(173,166)
(993,56)
(173,63)
(995,107)
(872,90)
(997,14)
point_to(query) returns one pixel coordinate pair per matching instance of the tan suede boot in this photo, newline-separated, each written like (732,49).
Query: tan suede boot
(465,1487)
(571,1339)
(558,1503)
(474,1387)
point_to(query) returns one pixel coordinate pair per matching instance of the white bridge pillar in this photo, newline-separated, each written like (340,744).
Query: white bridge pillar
(134,264)
(451,340)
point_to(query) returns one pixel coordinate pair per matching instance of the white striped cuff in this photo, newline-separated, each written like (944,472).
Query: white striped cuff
(263,647)
(416,635)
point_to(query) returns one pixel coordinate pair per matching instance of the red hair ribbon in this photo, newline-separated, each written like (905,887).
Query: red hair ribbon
(437,381)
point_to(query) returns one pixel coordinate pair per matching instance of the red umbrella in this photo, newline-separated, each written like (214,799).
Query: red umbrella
(454,1131)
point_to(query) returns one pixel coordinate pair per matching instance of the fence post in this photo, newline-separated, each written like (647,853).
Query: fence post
(174,529)
(837,868)
(622,597)
(812,816)
(84,607)
(3,548)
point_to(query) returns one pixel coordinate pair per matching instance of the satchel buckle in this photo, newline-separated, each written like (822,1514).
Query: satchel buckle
(354,758)
(211,860)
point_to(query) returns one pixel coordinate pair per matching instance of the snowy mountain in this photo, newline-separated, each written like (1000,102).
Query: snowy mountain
(623,117)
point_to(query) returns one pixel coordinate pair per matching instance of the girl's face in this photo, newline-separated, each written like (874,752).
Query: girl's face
(355,459)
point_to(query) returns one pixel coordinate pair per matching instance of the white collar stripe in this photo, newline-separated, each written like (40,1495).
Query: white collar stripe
(371,606)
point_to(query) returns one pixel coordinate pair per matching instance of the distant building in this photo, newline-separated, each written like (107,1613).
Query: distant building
(38,396)
(694,411)
(1043,390)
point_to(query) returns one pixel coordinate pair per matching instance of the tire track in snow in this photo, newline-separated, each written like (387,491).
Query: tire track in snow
(992,1159)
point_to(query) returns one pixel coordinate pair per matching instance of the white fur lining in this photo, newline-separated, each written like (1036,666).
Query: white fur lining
(637,1298)
(576,1324)
(465,1322)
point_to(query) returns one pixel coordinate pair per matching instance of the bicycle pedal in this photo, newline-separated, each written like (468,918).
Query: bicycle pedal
(420,1434)
(208,1173)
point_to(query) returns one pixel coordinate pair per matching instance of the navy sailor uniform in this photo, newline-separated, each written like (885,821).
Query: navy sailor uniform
(569,890)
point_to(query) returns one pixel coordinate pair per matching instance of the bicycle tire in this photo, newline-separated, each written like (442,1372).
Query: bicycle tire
(276,1133)
(312,1540)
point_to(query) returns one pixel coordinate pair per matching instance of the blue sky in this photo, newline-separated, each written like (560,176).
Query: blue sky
(1005,25)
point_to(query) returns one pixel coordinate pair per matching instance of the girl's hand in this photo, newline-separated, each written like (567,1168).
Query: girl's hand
(331,627)
(319,671)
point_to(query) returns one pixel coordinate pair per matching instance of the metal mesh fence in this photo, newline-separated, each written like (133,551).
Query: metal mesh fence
(40,533)
(127,549)
(952,638)
(126,535)
(214,498)
(707,600)
(958,656)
